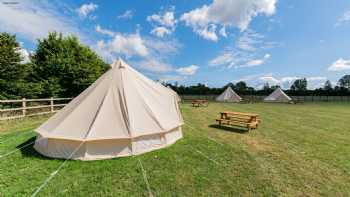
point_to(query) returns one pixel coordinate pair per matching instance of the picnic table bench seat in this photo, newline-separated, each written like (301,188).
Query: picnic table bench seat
(246,120)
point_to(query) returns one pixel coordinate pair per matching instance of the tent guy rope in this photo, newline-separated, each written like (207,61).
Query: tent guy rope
(201,153)
(211,139)
(145,178)
(17,149)
(13,136)
(53,174)
(20,148)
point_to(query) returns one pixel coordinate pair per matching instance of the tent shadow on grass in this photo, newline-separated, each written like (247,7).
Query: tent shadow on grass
(29,151)
(229,129)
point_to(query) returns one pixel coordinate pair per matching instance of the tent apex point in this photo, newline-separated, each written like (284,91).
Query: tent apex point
(119,63)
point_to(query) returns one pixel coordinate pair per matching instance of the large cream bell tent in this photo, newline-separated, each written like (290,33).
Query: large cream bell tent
(175,93)
(123,113)
(278,96)
(229,96)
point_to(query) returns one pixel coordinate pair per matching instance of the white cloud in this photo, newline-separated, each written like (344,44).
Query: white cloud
(128,14)
(256,62)
(267,56)
(172,78)
(249,40)
(223,31)
(154,65)
(160,31)
(270,79)
(208,33)
(25,55)
(345,18)
(316,78)
(33,20)
(245,53)
(164,23)
(86,9)
(238,59)
(189,70)
(340,65)
(286,82)
(162,47)
(100,30)
(258,81)
(315,82)
(226,58)
(228,13)
(124,44)
(167,19)
(147,53)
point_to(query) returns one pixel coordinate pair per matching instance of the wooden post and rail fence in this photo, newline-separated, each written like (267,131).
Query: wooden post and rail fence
(260,98)
(12,109)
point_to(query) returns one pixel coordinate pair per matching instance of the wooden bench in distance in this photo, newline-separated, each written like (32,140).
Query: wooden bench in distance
(198,103)
(246,120)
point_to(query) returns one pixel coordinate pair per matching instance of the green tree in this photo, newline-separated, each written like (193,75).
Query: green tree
(230,84)
(266,87)
(64,66)
(9,57)
(14,75)
(327,85)
(344,82)
(241,86)
(274,87)
(299,85)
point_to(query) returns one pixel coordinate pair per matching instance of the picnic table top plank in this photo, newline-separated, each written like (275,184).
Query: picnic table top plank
(239,113)
(199,100)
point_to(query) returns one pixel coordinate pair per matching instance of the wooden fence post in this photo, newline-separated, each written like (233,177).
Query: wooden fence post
(51,104)
(24,105)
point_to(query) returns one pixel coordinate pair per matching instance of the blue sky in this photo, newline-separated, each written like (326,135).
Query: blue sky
(212,42)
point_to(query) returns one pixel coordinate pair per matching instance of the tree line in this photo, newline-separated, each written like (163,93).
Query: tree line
(61,66)
(298,88)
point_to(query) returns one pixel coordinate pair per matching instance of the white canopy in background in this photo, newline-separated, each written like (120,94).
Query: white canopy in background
(123,113)
(278,96)
(229,96)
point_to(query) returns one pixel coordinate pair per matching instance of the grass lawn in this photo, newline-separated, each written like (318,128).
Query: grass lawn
(298,150)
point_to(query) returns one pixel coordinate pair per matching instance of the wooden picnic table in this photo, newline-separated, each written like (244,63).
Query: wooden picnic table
(230,113)
(247,120)
(199,102)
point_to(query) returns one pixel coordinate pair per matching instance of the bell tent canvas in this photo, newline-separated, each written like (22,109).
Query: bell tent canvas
(122,113)
(229,96)
(278,96)
(175,93)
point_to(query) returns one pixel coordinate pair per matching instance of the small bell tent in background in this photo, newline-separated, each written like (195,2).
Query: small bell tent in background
(229,96)
(278,96)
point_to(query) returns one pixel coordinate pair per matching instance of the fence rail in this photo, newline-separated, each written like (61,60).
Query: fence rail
(12,109)
(260,98)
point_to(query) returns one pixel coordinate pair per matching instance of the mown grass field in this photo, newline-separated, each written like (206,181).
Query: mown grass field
(298,150)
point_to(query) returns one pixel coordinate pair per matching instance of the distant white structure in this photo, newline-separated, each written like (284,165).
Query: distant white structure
(229,96)
(278,96)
